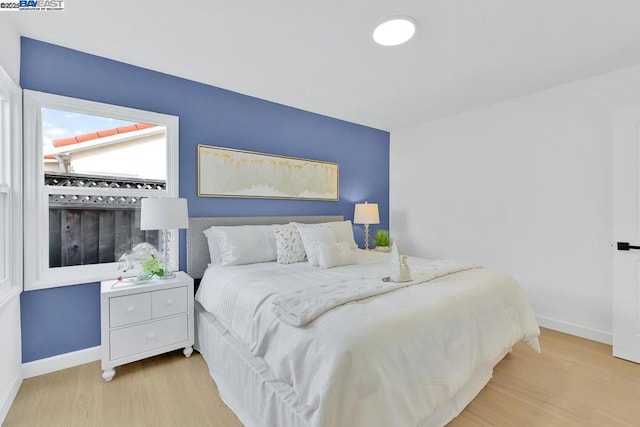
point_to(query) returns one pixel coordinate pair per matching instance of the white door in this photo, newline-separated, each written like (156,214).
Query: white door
(626,234)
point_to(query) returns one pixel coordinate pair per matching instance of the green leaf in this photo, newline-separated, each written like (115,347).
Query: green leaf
(151,266)
(382,238)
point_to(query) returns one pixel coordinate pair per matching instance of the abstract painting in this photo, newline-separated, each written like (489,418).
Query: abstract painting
(227,172)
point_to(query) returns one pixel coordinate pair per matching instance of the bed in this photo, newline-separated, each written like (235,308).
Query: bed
(287,347)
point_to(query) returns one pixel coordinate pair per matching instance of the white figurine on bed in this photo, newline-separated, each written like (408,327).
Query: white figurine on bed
(400,271)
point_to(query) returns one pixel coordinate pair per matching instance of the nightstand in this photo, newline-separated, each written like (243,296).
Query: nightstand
(141,320)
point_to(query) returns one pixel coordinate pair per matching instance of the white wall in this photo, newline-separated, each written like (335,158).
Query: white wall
(10,354)
(145,157)
(524,187)
(10,341)
(10,49)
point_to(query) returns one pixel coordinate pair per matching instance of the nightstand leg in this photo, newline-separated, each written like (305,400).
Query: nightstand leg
(108,374)
(187,351)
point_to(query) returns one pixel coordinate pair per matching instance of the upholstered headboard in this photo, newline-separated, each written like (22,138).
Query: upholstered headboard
(198,251)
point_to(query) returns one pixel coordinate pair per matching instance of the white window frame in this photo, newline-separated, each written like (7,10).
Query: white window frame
(11,186)
(37,273)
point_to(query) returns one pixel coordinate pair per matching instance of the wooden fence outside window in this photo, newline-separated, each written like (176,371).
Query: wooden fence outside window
(95,230)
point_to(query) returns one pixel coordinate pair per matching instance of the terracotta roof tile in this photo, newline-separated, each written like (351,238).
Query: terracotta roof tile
(124,129)
(64,141)
(108,132)
(87,137)
(100,134)
(144,125)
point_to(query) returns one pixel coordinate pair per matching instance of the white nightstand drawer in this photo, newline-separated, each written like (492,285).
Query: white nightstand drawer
(138,339)
(129,309)
(168,302)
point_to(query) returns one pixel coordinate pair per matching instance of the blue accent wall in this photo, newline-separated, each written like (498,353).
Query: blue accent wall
(61,320)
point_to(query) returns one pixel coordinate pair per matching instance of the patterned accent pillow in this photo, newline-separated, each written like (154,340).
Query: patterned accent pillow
(289,247)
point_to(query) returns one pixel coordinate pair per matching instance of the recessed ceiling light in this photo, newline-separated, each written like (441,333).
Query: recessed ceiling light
(394,32)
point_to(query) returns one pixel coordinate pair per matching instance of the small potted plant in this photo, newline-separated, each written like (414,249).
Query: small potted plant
(145,257)
(382,241)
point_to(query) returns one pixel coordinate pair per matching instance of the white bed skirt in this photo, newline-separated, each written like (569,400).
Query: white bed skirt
(248,386)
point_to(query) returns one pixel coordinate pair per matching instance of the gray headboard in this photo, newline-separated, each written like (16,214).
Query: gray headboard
(198,250)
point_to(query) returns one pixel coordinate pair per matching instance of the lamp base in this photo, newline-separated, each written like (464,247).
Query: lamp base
(166,236)
(366,237)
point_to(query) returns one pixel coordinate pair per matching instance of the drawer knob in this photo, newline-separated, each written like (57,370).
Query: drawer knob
(131,309)
(151,336)
(169,301)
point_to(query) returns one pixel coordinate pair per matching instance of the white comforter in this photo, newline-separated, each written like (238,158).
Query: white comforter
(302,306)
(390,360)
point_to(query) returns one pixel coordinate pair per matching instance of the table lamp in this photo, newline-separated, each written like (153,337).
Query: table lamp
(164,214)
(366,213)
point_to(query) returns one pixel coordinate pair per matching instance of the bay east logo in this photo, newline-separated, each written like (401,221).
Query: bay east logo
(41,4)
(31,5)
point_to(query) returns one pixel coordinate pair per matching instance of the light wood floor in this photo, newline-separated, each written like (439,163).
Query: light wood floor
(574,382)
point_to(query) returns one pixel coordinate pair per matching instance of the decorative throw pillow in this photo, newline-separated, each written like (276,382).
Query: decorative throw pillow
(214,250)
(245,244)
(343,230)
(312,235)
(289,246)
(334,254)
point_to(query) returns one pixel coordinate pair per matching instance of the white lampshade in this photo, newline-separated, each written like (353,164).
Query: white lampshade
(366,213)
(163,214)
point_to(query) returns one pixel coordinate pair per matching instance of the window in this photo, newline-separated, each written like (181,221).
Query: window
(87,166)
(5,153)
(10,187)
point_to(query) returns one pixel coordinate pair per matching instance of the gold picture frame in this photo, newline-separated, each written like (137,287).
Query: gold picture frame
(228,172)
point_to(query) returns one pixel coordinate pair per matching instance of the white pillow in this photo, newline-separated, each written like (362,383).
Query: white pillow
(245,244)
(214,250)
(289,246)
(312,235)
(343,230)
(334,254)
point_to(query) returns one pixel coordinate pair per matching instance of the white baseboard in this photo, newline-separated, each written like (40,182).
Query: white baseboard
(579,331)
(5,404)
(61,361)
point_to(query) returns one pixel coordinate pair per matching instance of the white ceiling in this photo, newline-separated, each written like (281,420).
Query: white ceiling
(319,56)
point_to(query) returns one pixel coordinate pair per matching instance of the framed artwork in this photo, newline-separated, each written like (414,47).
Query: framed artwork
(227,172)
